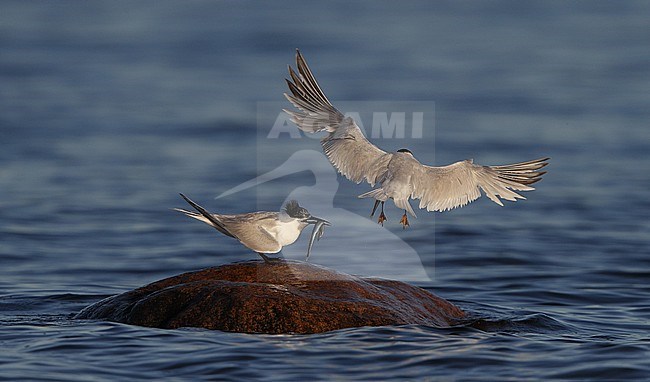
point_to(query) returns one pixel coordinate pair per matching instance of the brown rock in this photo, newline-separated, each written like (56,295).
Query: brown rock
(277,297)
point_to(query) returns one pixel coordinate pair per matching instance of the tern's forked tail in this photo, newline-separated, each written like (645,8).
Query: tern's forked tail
(204,216)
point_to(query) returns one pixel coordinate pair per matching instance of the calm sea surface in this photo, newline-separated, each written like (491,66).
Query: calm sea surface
(109,109)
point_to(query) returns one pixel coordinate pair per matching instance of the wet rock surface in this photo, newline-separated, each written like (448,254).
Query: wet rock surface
(278,297)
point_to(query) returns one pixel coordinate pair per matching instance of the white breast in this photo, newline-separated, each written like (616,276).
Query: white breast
(286,232)
(400,171)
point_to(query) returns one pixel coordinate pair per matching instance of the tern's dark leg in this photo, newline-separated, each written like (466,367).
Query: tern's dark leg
(266,258)
(405,221)
(374,208)
(382,217)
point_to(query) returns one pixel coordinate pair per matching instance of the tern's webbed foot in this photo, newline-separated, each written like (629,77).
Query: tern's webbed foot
(404,221)
(382,218)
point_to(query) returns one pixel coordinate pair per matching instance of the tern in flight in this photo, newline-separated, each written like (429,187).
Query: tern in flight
(263,232)
(399,175)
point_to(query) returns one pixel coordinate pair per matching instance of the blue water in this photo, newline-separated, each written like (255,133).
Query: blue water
(109,109)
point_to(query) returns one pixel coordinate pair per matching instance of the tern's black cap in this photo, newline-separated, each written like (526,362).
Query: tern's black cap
(295,211)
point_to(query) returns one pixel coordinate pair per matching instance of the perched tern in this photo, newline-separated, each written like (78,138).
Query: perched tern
(399,175)
(263,232)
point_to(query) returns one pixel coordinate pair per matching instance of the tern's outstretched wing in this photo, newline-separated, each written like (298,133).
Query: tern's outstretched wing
(346,147)
(455,185)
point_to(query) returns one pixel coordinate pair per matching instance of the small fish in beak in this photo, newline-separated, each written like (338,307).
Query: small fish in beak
(316,233)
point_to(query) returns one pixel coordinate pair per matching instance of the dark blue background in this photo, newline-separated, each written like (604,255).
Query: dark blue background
(109,109)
